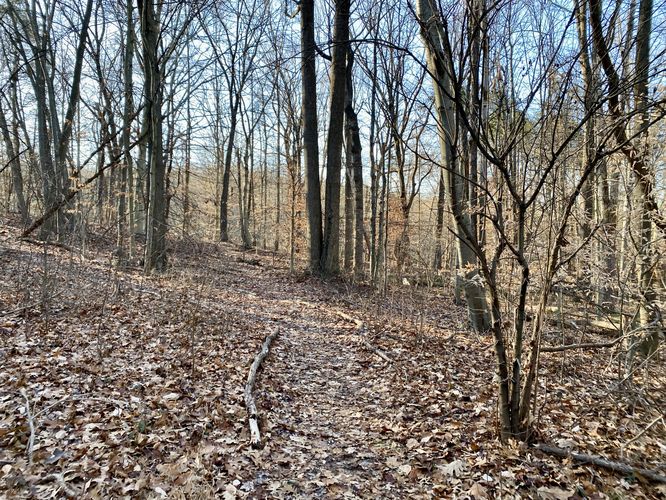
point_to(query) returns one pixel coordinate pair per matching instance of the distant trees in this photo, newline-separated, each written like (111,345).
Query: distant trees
(635,147)
(32,39)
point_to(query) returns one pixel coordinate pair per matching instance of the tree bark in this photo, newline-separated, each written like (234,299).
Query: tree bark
(330,259)
(156,258)
(356,164)
(310,134)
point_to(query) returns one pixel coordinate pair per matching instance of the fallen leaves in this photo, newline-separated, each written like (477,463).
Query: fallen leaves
(161,413)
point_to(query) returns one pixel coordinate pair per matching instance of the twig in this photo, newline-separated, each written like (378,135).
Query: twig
(635,438)
(648,358)
(60,479)
(31,425)
(250,405)
(357,322)
(602,462)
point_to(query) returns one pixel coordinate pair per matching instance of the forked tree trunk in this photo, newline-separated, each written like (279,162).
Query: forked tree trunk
(355,174)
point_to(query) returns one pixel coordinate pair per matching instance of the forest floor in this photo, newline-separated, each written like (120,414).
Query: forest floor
(134,388)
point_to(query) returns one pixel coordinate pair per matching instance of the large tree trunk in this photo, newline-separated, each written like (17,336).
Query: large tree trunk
(310,133)
(589,139)
(330,258)
(374,174)
(128,118)
(349,208)
(125,223)
(156,258)
(355,172)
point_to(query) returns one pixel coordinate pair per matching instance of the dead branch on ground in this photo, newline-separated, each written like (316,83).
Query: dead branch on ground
(250,404)
(620,467)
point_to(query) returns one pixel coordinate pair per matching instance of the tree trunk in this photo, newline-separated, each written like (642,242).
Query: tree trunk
(224,199)
(156,258)
(374,184)
(349,208)
(15,164)
(356,163)
(439,228)
(188,148)
(330,258)
(310,133)
(125,190)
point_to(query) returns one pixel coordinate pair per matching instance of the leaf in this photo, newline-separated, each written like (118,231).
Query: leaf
(546,493)
(230,492)
(57,455)
(160,491)
(405,469)
(478,491)
(412,443)
(454,468)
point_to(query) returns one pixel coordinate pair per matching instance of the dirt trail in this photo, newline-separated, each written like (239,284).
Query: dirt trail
(324,390)
(320,391)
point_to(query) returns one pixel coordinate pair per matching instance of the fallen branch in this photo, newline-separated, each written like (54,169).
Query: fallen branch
(57,244)
(590,345)
(360,326)
(602,462)
(250,405)
(31,425)
(376,351)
